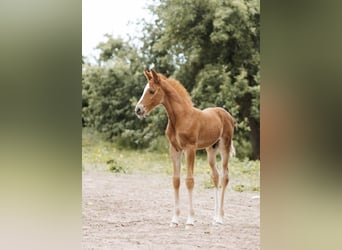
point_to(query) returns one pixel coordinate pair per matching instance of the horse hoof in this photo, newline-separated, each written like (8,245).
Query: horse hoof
(190,221)
(173,224)
(189,226)
(218,221)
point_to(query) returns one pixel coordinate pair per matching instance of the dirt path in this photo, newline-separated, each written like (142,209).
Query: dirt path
(134,211)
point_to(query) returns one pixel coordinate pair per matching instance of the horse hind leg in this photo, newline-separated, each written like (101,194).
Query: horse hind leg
(211,154)
(225,152)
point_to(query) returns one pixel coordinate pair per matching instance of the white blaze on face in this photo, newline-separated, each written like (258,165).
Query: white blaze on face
(142,96)
(139,108)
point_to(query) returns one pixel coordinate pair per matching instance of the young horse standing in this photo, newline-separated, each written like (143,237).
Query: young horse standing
(189,129)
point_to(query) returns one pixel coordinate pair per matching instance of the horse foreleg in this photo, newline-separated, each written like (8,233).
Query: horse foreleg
(189,181)
(176,160)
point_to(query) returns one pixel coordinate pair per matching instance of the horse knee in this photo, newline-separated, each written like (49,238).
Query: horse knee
(189,183)
(225,180)
(215,178)
(176,182)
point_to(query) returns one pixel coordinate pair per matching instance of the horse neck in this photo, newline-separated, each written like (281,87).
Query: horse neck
(176,107)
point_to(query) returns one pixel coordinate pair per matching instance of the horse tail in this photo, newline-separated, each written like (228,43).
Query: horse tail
(232,151)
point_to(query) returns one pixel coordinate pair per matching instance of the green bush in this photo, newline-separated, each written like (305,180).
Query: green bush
(212,48)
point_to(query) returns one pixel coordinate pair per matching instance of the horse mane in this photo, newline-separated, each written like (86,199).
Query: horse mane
(178,87)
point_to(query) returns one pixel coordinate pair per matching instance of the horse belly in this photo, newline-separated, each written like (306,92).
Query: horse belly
(210,128)
(208,137)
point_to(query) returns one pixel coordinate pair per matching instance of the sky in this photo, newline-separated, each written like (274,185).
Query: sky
(109,16)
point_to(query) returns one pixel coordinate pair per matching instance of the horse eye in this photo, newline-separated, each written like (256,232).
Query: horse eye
(152,91)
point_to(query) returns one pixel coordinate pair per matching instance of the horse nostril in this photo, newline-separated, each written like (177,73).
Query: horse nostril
(139,110)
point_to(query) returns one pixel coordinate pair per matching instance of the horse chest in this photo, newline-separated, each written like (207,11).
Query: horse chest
(180,139)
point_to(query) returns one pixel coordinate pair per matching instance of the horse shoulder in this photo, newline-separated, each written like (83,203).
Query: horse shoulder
(171,136)
(169,131)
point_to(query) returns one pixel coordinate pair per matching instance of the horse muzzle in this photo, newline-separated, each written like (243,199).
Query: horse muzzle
(140,111)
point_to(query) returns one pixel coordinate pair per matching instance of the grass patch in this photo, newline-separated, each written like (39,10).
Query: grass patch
(115,167)
(99,154)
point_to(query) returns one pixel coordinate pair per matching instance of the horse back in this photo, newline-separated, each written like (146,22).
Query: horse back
(226,119)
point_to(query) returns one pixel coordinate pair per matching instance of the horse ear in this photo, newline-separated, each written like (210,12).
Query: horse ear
(148,75)
(156,77)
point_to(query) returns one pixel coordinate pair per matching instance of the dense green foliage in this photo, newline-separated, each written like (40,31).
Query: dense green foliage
(211,47)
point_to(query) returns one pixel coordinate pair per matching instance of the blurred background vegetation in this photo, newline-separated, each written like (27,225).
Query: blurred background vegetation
(211,47)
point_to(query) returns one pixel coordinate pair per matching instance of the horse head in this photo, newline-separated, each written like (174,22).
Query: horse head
(152,96)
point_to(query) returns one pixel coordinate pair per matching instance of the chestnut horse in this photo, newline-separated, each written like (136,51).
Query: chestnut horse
(189,129)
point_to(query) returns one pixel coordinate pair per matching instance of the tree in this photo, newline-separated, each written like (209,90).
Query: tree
(109,95)
(214,47)
(211,47)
